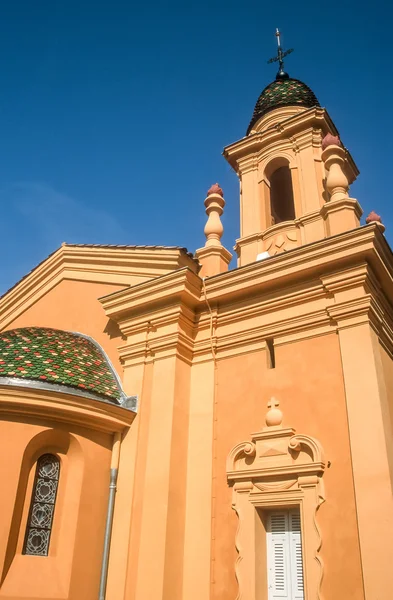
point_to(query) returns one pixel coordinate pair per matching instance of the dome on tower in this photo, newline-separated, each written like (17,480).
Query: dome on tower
(284,91)
(44,358)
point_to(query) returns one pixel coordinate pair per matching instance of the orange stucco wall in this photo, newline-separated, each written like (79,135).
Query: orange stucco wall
(308,381)
(71,571)
(174,529)
(387,365)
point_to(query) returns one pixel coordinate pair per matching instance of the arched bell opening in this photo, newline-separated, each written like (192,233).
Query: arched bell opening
(282,205)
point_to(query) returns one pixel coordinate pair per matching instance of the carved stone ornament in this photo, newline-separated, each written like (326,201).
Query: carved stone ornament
(373,217)
(276,469)
(330,140)
(214,204)
(215,189)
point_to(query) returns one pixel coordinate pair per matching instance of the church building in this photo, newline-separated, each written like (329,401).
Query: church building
(172,429)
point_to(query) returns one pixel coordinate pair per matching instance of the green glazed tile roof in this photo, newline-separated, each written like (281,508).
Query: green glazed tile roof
(52,356)
(283,92)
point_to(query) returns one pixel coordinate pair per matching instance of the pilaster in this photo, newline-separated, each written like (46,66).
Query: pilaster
(359,324)
(157,319)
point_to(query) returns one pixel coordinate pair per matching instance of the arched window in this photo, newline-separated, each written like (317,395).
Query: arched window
(42,507)
(281,195)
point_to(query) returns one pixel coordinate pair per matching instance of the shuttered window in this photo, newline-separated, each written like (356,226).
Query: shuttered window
(284,556)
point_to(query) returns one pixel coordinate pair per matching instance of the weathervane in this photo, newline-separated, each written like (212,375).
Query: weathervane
(280,58)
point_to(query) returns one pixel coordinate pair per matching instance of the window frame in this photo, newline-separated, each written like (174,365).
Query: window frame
(266,477)
(30,526)
(290,539)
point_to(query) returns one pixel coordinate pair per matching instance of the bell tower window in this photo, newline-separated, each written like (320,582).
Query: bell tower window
(42,507)
(281,195)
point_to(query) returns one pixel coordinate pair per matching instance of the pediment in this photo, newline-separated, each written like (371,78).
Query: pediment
(115,267)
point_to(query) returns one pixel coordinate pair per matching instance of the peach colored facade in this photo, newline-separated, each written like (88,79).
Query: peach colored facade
(261,387)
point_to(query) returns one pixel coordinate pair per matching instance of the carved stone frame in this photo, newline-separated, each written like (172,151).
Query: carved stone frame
(276,469)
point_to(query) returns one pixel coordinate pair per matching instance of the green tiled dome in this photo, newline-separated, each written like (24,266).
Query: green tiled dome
(55,357)
(282,92)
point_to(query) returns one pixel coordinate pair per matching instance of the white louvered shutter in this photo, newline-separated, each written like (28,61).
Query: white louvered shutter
(295,546)
(284,556)
(278,557)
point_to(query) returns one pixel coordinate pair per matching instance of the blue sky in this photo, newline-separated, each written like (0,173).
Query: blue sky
(113,115)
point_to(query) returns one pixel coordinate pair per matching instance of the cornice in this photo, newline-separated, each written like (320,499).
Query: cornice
(307,262)
(216,251)
(298,130)
(251,339)
(179,287)
(29,403)
(173,344)
(338,205)
(357,311)
(276,472)
(157,317)
(325,284)
(313,118)
(277,228)
(110,265)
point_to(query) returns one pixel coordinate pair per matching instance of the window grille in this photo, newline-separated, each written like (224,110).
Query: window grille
(42,507)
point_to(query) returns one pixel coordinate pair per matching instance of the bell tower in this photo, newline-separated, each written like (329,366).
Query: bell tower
(294,172)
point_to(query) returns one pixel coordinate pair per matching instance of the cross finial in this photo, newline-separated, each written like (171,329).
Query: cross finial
(280,57)
(274,415)
(273,403)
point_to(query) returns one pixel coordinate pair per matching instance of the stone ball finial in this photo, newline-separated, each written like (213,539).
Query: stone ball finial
(373,218)
(330,140)
(215,189)
(274,415)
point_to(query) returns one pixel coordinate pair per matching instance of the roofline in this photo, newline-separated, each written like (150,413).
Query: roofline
(181,249)
(255,118)
(123,396)
(119,266)
(129,404)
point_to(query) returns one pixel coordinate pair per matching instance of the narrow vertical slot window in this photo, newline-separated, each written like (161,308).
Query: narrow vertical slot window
(271,358)
(42,506)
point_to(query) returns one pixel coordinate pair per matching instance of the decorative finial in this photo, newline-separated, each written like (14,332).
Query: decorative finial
(373,218)
(280,58)
(330,140)
(334,158)
(274,415)
(214,204)
(215,189)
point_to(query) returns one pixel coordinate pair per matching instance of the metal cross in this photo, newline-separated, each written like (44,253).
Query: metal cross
(280,56)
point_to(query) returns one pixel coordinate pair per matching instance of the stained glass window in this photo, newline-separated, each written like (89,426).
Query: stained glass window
(42,506)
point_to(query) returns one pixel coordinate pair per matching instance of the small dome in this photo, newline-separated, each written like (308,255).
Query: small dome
(47,357)
(284,91)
